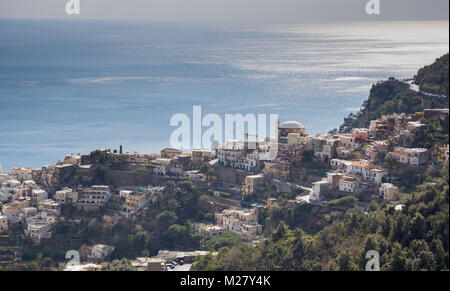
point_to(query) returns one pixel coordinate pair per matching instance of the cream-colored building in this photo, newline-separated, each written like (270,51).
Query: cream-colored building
(389,192)
(251,184)
(66,195)
(73,159)
(91,198)
(201,155)
(244,222)
(21,174)
(293,129)
(4,227)
(412,156)
(169,153)
(13,209)
(38,195)
(208,229)
(161,166)
(148,264)
(135,201)
(50,206)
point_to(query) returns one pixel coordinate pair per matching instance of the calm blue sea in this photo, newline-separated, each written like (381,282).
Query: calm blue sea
(73,86)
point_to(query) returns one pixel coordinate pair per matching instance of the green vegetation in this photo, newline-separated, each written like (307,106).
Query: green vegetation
(435,132)
(143,171)
(226,239)
(98,157)
(163,225)
(82,172)
(347,201)
(434,78)
(207,169)
(394,96)
(416,238)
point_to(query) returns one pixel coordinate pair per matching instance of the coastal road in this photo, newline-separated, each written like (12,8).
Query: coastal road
(416,88)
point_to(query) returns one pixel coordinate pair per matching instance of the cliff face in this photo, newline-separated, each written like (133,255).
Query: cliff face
(395,96)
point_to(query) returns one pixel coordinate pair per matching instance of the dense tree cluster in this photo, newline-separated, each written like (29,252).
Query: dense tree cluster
(415,238)
(434,78)
(163,225)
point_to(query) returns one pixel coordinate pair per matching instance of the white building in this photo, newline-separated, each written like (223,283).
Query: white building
(412,156)
(244,222)
(161,166)
(348,184)
(21,174)
(125,193)
(100,251)
(40,226)
(368,171)
(38,195)
(343,165)
(38,230)
(8,189)
(331,182)
(230,154)
(201,155)
(318,188)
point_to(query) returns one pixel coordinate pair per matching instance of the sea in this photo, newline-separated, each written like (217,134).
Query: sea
(74,86)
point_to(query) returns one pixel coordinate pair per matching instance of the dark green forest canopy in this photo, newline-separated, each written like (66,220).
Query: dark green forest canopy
(434,78)
(416,238)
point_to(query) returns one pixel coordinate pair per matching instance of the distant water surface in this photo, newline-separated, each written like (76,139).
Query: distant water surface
(74,86)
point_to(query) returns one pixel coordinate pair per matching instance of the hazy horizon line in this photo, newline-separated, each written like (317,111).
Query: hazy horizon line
(66,19)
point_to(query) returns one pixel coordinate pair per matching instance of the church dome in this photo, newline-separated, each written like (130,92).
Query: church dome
(291,125)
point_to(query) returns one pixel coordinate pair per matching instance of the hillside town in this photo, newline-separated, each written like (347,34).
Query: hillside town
(234,174)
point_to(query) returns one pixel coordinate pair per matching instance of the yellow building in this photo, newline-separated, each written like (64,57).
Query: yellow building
(13,209)
(135,201)
(169,153)
(251,183)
